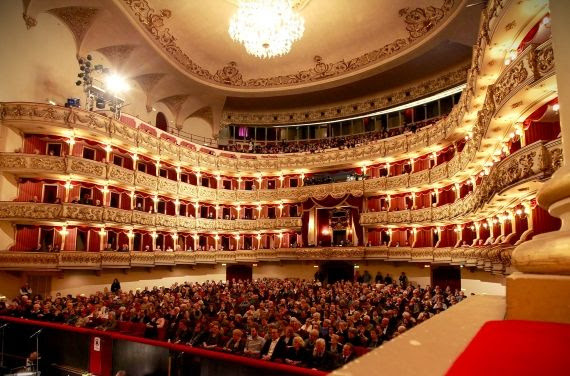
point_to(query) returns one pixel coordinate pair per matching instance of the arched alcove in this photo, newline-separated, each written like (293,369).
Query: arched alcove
(161,122)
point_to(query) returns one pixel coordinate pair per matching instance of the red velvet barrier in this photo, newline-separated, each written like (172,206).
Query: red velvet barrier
(213,355)
(516,347)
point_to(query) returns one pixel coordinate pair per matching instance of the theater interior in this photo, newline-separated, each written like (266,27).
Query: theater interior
(284,187)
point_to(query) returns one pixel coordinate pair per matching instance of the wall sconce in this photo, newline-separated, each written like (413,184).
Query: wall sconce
(63,231)
(153,235)
(135,157)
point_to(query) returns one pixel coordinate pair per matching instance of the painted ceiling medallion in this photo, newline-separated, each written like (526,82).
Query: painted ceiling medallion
(267,28)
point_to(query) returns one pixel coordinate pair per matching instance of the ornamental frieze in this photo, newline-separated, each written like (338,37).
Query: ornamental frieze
(420,178)
(121,175)
(146,181)
(166,221)
(47,163)
(395,182)
(24,210)
(83,212)
(492,258)
(167,185)
(86,167)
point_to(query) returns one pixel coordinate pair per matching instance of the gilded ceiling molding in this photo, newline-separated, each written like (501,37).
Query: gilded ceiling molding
(419,22)
(78,19)
(343,110)
(29,20)
(147,82)
(117,54)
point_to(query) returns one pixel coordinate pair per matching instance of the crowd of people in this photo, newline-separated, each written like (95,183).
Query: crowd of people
(298,322)
(323,144)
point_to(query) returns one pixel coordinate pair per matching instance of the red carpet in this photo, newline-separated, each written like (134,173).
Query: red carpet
(516,348)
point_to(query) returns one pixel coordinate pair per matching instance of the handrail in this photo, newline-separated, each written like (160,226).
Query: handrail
(213,355)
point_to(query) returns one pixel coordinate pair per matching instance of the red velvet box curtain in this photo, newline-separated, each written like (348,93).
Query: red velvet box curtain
(329,202)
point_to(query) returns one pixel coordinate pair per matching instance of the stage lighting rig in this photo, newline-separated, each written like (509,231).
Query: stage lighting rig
(102,87)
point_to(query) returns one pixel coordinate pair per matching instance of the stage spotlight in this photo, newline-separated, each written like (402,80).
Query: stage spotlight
(116,84)
(100,103)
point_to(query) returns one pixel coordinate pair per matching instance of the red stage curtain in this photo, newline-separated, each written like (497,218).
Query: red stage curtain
(26,238)
(544,222)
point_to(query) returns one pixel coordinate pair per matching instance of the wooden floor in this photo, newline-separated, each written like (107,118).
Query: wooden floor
(431,347)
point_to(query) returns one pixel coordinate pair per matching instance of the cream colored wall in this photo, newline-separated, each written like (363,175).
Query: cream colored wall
(81,282)
(10,283)
(36,64)
(8,187)
(198,126)
(480,282)
(7,235)
(40,64)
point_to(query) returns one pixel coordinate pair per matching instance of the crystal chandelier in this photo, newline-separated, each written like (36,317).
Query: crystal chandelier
(266,28)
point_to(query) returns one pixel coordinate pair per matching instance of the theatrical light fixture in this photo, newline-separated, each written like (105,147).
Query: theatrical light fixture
(116,84)
(267,28)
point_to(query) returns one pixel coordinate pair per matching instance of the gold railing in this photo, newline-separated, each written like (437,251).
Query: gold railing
(110,131)
(534,64)
(39,212)
(533,162)
(494,259)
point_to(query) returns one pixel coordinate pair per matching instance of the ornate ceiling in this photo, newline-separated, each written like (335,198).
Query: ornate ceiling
(341,38)
(179,52)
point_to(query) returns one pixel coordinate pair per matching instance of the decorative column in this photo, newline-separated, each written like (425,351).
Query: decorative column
(102,238)
(540,289)
(153,236)
(131,237)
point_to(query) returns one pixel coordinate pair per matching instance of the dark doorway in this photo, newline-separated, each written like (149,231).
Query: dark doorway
(161,122)
(339,237)
(444,276)
(238,271)
(333,271)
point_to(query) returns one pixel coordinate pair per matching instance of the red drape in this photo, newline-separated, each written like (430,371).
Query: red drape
(544,222)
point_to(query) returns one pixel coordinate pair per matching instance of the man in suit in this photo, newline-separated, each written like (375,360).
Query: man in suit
(274,348)
(319,358)
(347,355)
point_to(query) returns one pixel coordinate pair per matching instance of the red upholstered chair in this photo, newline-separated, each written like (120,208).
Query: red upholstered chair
(161,334)
(124,326)
(138,329)
(359,350)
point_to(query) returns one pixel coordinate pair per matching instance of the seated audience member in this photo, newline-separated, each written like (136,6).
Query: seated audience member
(347,355)
(362,314)
(319,358)
(374,340)
(214,339)
(289,336)
(333,346)
(296,354)
(236,344)
(254,343)
(199,335)
(274,347)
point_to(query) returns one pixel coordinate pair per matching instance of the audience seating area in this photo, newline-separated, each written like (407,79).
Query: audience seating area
(295,322)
